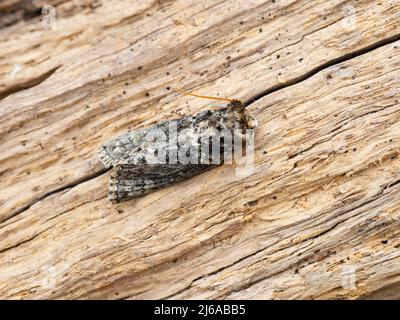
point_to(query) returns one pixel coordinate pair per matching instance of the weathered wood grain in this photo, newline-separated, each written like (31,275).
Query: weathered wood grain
(322,79)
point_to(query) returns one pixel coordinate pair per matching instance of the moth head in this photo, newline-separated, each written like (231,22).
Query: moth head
(242,115)
(239,112)
(236,104)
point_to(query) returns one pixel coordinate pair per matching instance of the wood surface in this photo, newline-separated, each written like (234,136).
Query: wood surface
(322,205)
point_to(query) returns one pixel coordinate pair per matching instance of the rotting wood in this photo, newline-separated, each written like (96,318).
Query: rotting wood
(322,79)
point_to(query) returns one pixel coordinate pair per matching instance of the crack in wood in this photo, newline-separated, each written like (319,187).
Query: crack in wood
(28,84)
(288,267)
(53,192)
(348,194)
(295,81)
(331,63)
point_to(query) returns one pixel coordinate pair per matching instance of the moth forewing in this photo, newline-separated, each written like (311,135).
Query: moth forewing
(145,160)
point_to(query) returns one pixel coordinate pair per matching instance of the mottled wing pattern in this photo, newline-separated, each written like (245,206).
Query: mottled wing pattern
(130,181)
(133,175)
(116,149)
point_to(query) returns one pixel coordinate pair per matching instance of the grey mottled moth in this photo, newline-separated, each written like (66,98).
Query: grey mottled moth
(148,159)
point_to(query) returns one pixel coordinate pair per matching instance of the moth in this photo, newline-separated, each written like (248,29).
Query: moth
(152,158)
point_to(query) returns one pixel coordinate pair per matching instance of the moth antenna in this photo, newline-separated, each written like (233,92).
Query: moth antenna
(200,96)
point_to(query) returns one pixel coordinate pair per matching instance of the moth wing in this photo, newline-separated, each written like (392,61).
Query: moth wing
(111,152)
(129,181)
